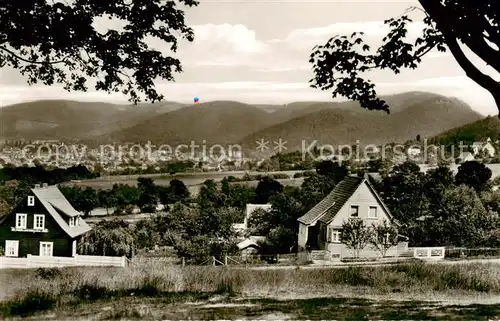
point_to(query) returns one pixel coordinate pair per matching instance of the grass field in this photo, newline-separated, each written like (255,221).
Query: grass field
(402,291)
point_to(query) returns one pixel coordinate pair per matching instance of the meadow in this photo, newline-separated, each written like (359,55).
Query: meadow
(175,292)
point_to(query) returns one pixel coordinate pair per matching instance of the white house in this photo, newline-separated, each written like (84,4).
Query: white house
(321,227)
(485,147)
(242,227)
(465,157)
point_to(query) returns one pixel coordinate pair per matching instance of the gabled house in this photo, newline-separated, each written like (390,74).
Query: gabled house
(43,224)
(465,157)
(483,147)
(320,228)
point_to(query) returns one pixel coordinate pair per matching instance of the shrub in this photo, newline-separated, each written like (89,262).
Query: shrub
(91,291)
(48,273)
(32,302)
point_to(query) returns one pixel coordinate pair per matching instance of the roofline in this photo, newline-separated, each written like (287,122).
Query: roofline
(318,217)
(379,199)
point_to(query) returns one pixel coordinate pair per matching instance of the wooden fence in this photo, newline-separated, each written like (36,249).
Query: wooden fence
(33,261)
(429,253)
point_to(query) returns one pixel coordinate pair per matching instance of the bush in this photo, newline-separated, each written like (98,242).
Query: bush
(48,273)
(32,302)
(91,291)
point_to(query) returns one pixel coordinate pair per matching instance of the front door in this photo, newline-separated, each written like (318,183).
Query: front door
(46,248)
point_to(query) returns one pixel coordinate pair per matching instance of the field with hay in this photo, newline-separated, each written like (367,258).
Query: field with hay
(405,291)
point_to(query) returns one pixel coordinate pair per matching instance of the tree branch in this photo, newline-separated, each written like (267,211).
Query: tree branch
(30,61)
(477,44)
(434,8)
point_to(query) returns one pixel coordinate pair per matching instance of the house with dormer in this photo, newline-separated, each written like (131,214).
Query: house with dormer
(321,227)
(43,224)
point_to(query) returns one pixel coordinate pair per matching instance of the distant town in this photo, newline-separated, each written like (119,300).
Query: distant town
(136,159)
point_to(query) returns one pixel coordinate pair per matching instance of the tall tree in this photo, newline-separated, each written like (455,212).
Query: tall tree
(405,194)
(340,63)
(473,174)
(464,220)
(179,191)
(332,170)
(107,199)
(267,188)
(148,195)
(61,44)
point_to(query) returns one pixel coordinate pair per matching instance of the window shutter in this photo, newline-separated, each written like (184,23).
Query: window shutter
(328,234)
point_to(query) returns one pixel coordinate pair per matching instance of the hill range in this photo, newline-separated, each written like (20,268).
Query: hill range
(479,130)
(228,122)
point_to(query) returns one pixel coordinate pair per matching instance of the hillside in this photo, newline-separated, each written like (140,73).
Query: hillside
(71,120)
(425,115)
(397,102)
(228,122)
(475,131)
(218,122)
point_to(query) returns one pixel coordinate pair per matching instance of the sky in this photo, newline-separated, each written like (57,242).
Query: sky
(257,52)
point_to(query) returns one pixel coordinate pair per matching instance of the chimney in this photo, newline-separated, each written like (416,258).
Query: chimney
(37,185)
(365,175)
(44,185)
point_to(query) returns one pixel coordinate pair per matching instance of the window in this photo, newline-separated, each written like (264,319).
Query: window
(46,248)
(31,200)
(39,222)
(71,221)
(11,248)
(354,211)
(335,236)
(373,212)
(21,220)
(77,221)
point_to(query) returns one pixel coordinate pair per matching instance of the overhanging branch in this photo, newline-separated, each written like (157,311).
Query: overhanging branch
(31,61)
(475,42)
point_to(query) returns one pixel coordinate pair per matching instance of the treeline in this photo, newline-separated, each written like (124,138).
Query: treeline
(438,208)
(167,168)
(40,174)
(124,198)
(146,195)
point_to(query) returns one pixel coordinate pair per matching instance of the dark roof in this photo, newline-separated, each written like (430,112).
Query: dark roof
(333,201)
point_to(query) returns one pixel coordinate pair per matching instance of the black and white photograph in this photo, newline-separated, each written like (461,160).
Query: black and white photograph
(249,160)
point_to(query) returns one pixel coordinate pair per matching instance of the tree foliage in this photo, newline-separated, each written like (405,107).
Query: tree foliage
(266,189)
(383,237)
(148,195)
(340,63)
(355,235)
(464,220)
(57,42)
(111,238)
(473,174)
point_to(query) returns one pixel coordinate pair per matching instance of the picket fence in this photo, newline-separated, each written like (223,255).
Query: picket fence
(34,261)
